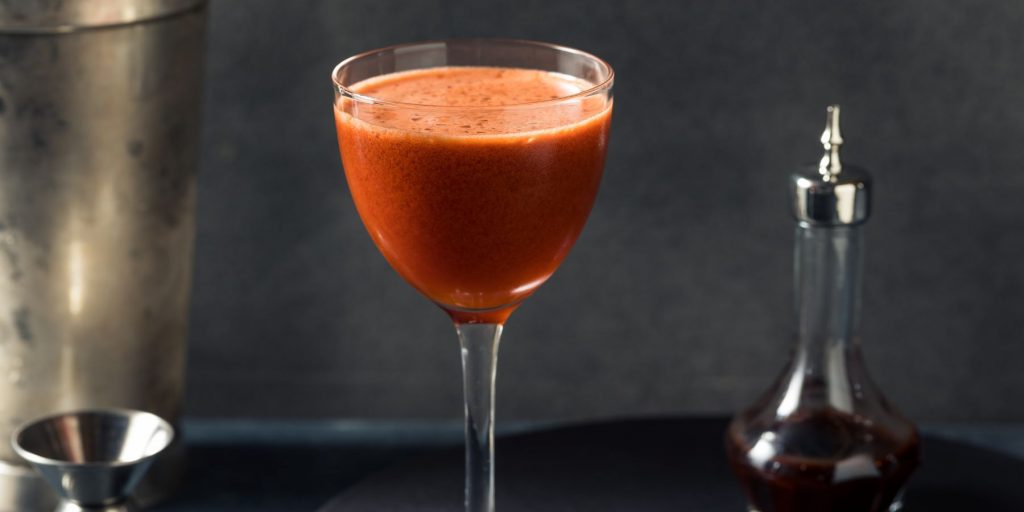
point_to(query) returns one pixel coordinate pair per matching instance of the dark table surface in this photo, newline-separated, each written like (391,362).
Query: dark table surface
(299,466)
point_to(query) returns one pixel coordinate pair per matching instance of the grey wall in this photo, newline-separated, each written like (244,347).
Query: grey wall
(677,297)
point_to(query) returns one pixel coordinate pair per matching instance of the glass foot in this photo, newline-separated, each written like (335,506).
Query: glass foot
(897,502)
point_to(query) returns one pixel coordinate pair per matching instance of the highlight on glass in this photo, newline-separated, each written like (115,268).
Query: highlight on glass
(473,165)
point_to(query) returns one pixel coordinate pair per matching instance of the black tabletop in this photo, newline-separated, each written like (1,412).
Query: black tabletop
(295,466)
(654,465)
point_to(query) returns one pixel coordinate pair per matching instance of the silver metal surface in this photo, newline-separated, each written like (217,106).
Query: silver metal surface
(98,153)
(58,16)
(20,486)
(93,459)
(832,194)
(832,139)
(67,506)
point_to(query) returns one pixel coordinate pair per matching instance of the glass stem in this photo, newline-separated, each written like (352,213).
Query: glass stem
(479,364)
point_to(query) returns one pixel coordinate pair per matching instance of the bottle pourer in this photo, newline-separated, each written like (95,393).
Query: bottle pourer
(93,459)
(832,194)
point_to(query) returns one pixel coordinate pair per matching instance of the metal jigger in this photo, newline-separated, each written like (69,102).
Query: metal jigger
(93,459)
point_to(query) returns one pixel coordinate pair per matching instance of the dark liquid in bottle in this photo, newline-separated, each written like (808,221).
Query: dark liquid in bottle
(829,462)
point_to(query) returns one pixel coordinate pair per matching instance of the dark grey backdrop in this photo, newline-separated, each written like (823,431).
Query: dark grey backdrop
(677,297)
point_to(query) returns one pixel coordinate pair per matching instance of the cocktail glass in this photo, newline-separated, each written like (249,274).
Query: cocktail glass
(475,202)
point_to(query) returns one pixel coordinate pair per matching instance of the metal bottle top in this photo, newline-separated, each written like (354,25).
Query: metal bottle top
(61,16)
(833,194)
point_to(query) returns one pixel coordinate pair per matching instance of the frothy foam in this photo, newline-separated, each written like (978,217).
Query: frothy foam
(488,89)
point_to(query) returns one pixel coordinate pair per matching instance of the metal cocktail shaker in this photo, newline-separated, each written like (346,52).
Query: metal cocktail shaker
(99,122)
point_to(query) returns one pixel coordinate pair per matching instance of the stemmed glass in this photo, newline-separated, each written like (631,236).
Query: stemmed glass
(474,165)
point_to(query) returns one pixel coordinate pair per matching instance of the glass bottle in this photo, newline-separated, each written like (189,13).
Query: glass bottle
(824,438)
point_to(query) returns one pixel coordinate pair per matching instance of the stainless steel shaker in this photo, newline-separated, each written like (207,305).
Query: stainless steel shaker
(99,123)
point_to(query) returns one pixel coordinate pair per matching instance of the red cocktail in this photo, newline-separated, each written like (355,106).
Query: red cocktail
(475,207)
(474,164)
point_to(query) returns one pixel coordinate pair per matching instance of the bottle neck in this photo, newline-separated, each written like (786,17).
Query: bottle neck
(827,273)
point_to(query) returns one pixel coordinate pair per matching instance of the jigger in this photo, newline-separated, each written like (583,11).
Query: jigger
(94,458)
